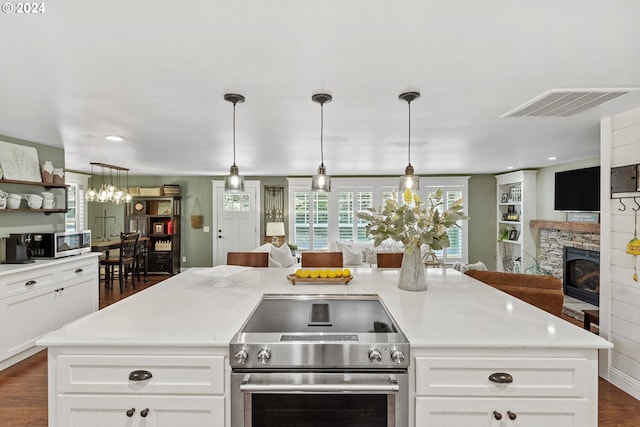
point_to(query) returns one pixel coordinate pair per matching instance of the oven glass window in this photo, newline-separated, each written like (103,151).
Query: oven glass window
(315,410)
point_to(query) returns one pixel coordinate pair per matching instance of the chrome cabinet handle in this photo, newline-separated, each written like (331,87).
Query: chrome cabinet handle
(30,283)
(501,378)
(144,413)
(497,415)
(130,412)
(512,416)
(140,375)
(79,270)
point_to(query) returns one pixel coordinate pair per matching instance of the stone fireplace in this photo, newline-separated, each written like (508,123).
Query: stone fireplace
(555,237)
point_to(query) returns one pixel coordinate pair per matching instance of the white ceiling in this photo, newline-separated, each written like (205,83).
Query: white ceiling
(155,72)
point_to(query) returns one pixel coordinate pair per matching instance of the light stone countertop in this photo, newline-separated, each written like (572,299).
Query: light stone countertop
(7,269)
(195,309)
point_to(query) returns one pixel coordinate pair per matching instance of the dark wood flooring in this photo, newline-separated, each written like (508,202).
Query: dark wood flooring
(23,387)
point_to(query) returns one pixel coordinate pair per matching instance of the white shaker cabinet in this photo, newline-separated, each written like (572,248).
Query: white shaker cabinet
(138,387)
(507,388)
(38,298)
(493,412)
(142,411)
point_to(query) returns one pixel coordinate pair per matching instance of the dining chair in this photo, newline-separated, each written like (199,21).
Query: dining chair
(389,259)
(322,259)
(248,259)
(125,261)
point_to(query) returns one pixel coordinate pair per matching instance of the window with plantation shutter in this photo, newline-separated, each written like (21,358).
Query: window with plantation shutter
(318,219)
(452,191)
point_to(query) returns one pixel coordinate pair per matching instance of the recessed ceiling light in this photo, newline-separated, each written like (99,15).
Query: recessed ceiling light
(552,158)
(114,138)
(509,167)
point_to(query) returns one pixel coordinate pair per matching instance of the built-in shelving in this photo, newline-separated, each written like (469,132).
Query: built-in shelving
(516,207)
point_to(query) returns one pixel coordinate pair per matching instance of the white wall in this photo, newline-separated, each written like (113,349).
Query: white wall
(546,184)
(620,146)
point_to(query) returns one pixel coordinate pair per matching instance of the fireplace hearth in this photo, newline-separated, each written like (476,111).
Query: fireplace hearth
(581,274)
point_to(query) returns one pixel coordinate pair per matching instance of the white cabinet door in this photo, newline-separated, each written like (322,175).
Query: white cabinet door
(548,412)
(140,411)
(492,412)
(25,318)
(74,301)
(452,412)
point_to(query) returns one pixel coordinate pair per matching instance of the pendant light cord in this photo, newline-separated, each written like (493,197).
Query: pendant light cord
(234,133)
(321,133)
(409,145)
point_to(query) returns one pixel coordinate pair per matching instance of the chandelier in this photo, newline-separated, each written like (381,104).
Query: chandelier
(108,192)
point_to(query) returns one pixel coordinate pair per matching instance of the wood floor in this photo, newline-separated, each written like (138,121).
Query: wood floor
(23,387)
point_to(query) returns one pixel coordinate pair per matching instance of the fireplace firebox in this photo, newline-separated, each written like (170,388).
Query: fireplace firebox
(581,274)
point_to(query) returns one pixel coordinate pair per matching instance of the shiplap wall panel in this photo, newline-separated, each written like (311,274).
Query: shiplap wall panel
(623,273)
(630,348)
(625,365)
(625,292)
(626,311)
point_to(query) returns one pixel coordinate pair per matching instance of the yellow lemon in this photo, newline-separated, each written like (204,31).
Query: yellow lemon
(338,272)
(304,274)
(298,272)
(331,274)
(323,274)
(346,272)
(408,195)
(314,274)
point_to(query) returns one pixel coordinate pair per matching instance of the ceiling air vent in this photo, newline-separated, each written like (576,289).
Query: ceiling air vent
(565,102)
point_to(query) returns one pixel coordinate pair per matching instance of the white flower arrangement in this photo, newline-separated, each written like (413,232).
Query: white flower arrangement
(414,223)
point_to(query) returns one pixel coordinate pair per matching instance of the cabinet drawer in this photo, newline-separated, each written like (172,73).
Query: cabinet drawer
(79,269)
(160,257)
(454,376)
(170,374)
(28,281)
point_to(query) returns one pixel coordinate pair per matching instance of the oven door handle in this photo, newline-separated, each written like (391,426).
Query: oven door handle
(339,384)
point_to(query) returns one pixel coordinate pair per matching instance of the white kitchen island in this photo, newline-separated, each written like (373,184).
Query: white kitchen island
(460,330)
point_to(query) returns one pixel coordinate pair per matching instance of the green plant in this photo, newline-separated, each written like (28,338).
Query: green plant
(503,234)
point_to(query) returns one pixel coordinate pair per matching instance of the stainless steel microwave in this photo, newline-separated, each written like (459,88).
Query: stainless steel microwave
(58,245)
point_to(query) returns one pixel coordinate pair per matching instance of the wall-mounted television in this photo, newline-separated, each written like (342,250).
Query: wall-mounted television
(578,190)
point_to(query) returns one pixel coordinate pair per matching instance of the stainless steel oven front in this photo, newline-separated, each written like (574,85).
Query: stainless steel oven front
(314,399)
(319,360)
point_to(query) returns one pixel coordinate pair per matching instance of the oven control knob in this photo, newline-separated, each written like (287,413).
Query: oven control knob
(264,355)
(241,356)
(397,356)
(375,356)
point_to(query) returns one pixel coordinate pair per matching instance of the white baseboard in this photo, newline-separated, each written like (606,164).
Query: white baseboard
(624,382)
(10,361)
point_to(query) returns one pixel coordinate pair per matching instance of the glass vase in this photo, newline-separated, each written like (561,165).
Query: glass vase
(412,276)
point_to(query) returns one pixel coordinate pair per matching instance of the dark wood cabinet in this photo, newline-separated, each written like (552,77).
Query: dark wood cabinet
(157,218)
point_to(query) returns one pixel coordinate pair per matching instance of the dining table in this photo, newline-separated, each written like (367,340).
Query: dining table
(105,246)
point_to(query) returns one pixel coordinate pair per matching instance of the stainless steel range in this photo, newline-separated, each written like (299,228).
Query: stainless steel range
(319,360)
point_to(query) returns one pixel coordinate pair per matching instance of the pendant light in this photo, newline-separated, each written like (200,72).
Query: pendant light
(321,182)
(408,181)
(92,193)
(234,183)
